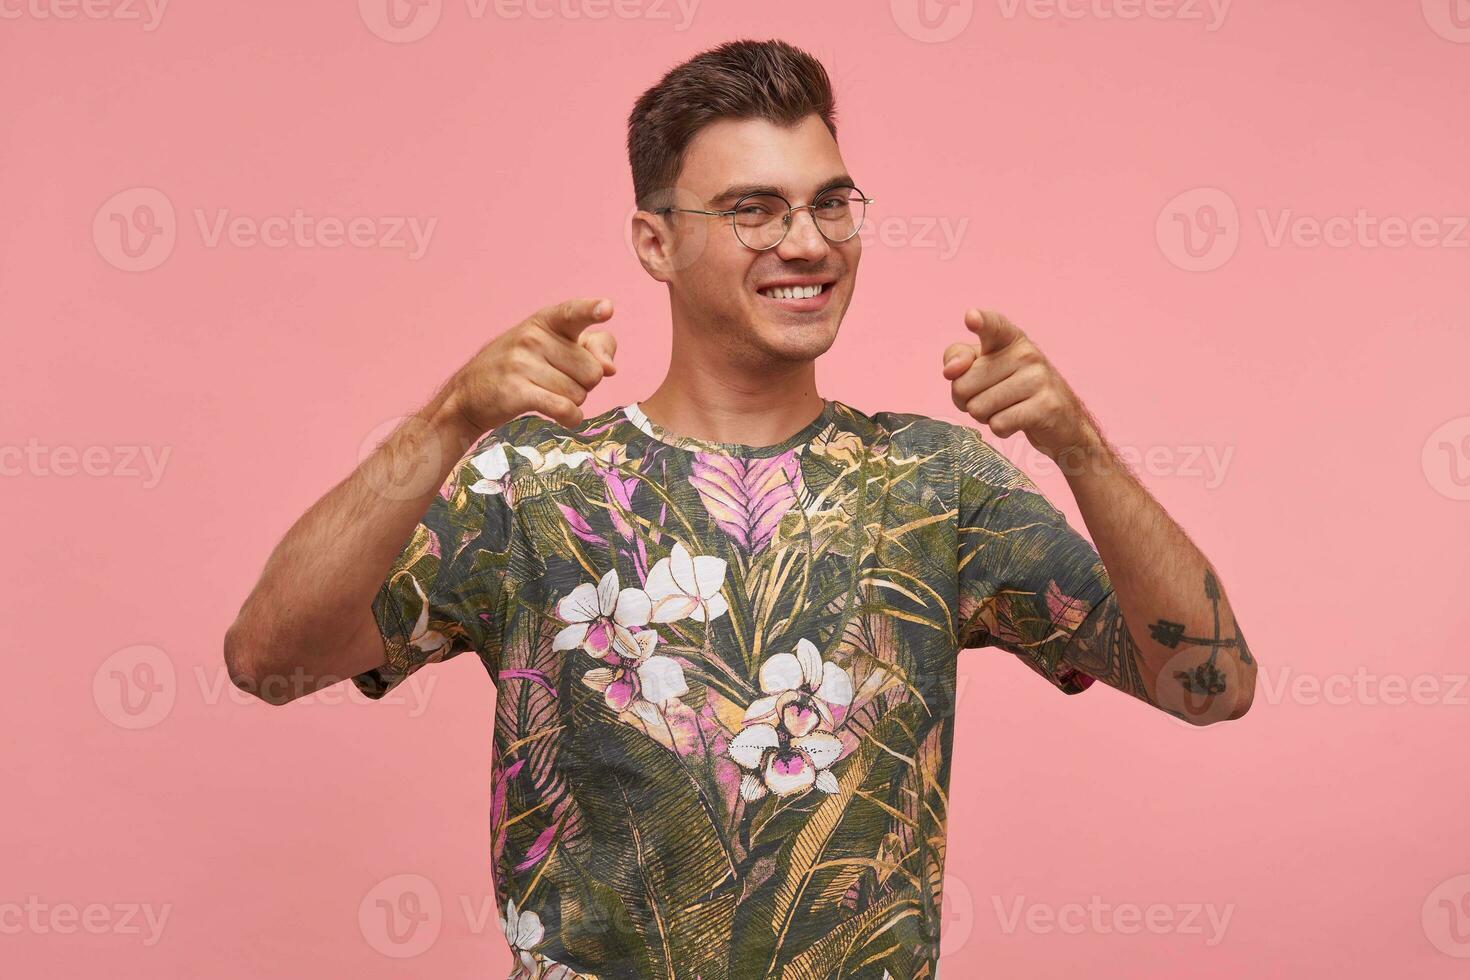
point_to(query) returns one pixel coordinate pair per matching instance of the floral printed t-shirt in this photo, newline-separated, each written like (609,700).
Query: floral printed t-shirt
(725,678)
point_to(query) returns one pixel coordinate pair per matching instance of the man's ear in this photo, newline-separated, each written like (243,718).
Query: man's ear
(666,244)
(651,240)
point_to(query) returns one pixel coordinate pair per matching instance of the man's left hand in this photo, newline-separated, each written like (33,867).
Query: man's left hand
(1005,382)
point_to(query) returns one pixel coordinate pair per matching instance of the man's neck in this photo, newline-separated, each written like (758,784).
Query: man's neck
(750,412)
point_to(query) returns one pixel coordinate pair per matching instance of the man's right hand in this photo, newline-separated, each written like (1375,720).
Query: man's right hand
(308,622)
(547,363)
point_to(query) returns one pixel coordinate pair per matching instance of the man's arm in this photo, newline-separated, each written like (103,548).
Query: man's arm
(308,622)
(1189,657)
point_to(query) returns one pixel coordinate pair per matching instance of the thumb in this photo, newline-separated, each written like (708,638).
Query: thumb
(603,345)
(957,359)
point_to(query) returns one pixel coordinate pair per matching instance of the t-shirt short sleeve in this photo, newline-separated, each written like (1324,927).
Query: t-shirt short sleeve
(1027,579)
(448,590)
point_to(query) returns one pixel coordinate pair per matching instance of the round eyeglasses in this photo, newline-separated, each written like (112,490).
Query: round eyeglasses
(762,221)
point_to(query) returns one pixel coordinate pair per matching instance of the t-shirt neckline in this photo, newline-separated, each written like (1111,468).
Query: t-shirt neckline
(634,414)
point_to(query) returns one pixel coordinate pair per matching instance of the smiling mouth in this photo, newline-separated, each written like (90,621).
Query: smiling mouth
(796,292)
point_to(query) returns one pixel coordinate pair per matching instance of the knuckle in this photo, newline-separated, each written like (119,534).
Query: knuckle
(525,393)
(524,338)
(520,359)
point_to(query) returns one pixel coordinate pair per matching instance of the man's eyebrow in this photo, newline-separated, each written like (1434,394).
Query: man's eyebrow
(735,192)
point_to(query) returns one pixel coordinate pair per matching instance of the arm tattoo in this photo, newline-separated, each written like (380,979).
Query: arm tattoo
(1103,648)
(1206,678)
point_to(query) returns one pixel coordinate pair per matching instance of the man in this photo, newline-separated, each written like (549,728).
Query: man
(723,621)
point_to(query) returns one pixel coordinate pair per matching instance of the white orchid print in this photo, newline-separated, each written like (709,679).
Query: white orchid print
(601,620)
(686,586)
(598,615)
(494,468)
(523,931)
(431,643)
(787,743)
(638,681)
(553,458)
(493,465)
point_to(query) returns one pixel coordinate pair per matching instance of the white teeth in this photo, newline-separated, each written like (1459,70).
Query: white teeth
(792,292)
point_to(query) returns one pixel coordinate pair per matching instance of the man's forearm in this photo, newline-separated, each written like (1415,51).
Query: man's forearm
(311,613)
(315,591)
(1170,637)
(1180,648)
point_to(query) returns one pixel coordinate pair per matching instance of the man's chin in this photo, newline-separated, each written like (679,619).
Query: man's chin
(795,341)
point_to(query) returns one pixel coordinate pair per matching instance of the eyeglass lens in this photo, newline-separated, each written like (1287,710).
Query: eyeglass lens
(760,218)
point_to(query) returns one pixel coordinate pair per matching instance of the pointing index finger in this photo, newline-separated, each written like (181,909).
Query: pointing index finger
(569,319)
(993,329)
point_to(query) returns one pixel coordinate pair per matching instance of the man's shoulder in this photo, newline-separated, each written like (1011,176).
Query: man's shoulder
(911,432)
(952,448)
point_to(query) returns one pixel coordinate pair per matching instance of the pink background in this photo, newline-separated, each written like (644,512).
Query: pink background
(1329,825)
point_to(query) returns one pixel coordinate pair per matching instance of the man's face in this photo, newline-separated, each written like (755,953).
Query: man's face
(723,285)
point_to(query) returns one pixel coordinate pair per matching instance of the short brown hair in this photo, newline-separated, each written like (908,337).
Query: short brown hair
(738,80)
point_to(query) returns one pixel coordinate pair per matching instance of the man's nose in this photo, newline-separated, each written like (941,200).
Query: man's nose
(803,239)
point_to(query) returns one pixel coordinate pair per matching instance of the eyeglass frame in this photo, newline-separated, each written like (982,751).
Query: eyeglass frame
(785,219)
